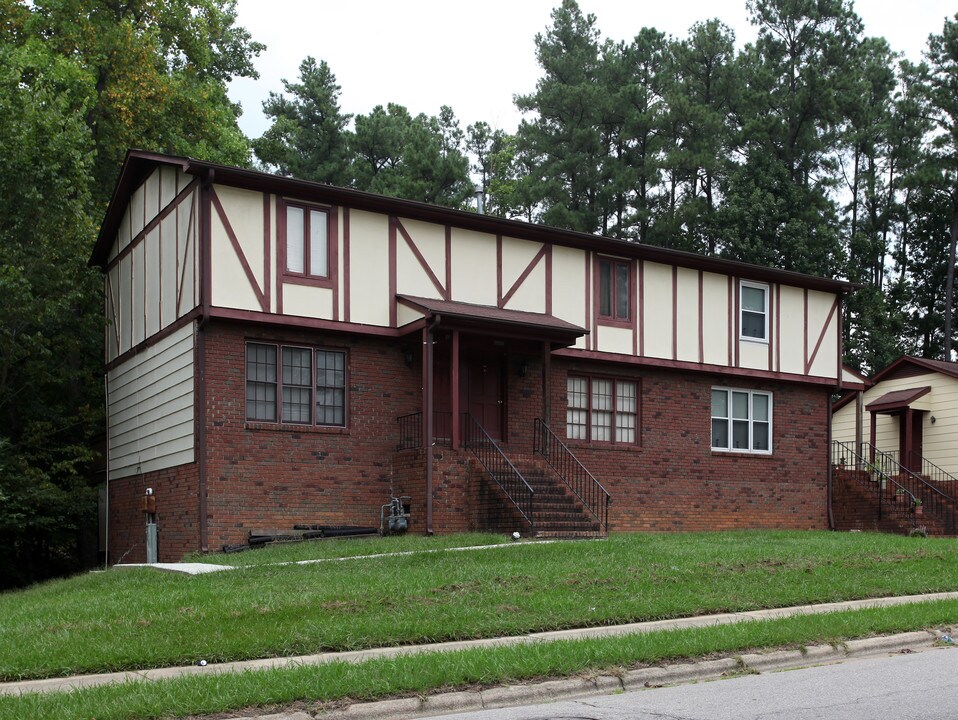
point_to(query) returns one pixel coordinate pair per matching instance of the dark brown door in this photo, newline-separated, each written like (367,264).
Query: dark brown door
(481,392)
(910,445)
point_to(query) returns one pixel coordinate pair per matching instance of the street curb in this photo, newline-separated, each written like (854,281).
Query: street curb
(64,684)
(639,679)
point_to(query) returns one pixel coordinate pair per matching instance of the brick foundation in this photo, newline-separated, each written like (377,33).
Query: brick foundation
(266,476)
(177,514)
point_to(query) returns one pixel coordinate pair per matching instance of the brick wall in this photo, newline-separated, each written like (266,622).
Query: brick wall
(673,480)
(177,514)
(267,476)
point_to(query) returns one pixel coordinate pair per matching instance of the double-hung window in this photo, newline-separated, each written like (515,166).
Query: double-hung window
(295,385)
(614,293)
(754,311)
(741,420)
(602,410)
(307,241)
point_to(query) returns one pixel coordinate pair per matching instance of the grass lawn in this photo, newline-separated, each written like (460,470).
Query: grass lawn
(140,618)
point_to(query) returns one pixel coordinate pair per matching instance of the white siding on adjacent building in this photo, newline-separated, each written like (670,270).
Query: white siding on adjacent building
(151,407)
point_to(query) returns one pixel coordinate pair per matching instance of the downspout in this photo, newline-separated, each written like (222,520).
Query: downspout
(106,512)
(829,477)
(205,227)
(828,441)
(428,372)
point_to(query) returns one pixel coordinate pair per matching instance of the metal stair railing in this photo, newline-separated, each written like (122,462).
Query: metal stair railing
(876,474)
(593,496)
(918,491)
(934,473)
(410,430)
(499,468)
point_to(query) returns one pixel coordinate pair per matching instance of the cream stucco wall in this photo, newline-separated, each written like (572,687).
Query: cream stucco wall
(474,267)
(657,308)
(368,268)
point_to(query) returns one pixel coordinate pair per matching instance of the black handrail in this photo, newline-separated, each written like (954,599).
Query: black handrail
(593,496)
(499,467)
(905,484)
(410,430)
(877,474)
(931,471)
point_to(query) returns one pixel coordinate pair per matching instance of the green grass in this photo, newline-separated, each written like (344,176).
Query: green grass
(427,673)
(140,618)
(340,548)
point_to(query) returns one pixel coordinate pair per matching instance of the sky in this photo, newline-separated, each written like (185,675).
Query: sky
(475,56)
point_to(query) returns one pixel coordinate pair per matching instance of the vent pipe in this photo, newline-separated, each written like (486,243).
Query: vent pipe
(479,198)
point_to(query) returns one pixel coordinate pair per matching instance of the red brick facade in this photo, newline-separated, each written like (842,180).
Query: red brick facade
(272,476)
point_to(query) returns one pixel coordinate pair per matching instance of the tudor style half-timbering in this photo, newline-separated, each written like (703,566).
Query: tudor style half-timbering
(280,352)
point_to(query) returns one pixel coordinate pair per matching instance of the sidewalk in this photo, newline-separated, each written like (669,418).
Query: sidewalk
(82,681)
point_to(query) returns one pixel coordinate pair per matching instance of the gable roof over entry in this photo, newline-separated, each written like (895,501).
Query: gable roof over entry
(468,316)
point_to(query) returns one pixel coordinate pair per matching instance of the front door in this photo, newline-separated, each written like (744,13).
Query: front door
(910,448)
(481,391)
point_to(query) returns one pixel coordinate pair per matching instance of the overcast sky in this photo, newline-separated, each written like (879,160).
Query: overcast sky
(474,56)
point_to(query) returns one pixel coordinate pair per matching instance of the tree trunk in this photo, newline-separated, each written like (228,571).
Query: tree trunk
(950,281)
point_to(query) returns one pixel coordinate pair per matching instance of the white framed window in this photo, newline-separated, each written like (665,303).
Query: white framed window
(741,420)
(753,311)
(602,410)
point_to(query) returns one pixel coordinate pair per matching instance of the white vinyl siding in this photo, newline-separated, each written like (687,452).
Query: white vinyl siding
(151,407)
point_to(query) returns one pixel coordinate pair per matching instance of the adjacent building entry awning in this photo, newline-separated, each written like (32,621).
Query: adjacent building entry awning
(898,400)
(488,319)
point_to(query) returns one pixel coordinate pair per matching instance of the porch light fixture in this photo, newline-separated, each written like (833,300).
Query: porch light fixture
(523,368)
(933,419)
(407,355)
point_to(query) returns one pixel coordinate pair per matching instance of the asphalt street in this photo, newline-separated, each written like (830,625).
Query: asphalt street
(912,685)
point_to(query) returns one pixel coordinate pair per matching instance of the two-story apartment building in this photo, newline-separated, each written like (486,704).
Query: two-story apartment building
(281,352)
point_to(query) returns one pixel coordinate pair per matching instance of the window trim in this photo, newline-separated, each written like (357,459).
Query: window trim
(305,278)
(278,415)
(751,421)
(588,440)
(766,290)
(613,319)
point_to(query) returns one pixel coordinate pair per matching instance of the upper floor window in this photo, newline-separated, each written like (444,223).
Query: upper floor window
(754,311)
(282,382)
(741,420)
(602,410)
(307,241)
(614,292)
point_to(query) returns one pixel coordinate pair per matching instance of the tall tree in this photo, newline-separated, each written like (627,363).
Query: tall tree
(779,210)
(562,143)
(699,101)
(417,158)
(941,163)
(159,70)
(308,138)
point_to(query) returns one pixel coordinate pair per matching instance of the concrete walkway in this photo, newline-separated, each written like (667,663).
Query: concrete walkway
(82,681)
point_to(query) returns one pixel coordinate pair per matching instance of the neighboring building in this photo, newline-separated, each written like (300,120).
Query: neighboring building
(273,346)
(909,411)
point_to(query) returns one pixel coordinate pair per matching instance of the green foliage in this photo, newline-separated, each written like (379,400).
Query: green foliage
(416,158)
(81,81)
(308,138)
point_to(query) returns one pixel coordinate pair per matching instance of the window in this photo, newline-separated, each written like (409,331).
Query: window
(614,294)
(741,420)
(297,383)
(307,241)
(602,410)
(261,382)
(754,311)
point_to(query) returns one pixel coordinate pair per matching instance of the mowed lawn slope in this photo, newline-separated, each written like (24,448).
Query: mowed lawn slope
(140,618)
